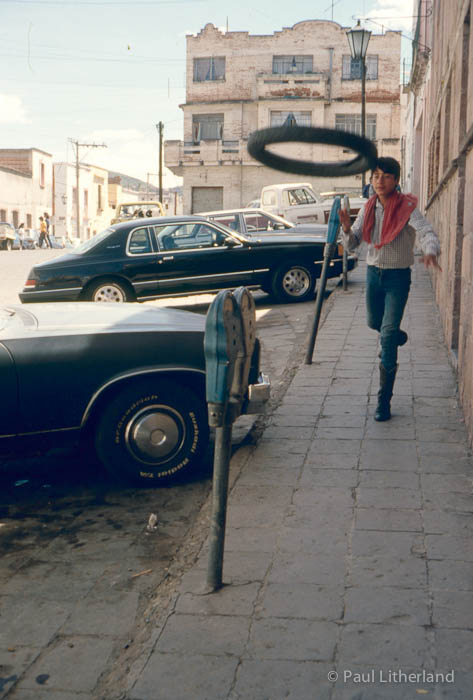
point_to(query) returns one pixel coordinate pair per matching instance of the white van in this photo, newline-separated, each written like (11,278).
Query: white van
(299,203)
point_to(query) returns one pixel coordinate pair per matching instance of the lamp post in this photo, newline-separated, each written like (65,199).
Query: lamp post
(358,40)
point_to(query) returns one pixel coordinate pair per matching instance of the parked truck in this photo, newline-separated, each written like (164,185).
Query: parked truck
(299,203)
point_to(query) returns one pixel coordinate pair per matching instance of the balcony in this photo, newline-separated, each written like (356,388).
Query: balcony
(178,154)
(292,85)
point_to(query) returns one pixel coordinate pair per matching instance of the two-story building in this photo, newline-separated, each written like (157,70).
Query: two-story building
(26,185)
(237,83)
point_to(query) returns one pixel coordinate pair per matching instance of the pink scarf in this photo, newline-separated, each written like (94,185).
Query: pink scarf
(397,212)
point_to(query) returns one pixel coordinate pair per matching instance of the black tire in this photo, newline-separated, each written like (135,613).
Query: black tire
(109,290)
(293,282)
(153,431)
(308,134)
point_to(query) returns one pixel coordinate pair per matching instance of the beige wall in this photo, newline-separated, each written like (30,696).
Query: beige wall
(250,92)
(444,148)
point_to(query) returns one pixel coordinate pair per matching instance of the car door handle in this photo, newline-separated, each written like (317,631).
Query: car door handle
(165,257)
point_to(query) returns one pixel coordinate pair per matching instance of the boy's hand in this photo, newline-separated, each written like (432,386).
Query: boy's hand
(430,261)
(345,220)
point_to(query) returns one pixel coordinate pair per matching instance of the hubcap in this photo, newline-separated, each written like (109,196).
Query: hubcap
(296,282)
(155,434)
(109,292)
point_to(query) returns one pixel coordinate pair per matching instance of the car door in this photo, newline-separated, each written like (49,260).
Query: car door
(140,261)
(198,257)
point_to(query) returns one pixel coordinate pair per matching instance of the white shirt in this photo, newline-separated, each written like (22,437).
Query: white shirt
(400,252)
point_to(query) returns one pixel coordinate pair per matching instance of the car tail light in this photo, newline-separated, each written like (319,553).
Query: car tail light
(30,283)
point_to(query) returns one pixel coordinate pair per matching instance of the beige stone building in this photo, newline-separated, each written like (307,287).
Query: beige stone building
(441,143)
(237,83)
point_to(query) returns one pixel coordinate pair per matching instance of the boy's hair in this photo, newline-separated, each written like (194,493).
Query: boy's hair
(388,165)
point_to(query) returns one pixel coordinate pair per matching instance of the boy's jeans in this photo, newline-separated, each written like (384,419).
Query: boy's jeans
(386,297)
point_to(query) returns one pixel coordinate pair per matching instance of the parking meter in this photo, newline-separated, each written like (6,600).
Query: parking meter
(247,316)
(222,343)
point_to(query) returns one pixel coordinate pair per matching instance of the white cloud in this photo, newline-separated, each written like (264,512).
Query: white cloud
(393,14)
(12,110)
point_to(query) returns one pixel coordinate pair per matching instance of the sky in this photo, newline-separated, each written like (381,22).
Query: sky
(107,71)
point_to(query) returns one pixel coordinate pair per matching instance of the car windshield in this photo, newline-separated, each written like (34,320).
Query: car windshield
(92,242)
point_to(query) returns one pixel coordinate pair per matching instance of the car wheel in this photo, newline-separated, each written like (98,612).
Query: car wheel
(293,282)
(109,290)
(153,431)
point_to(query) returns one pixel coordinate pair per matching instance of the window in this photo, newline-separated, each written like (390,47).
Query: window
(139,242)
(352,123)
(42,179)
(351,68)
(292,64)
(86,203)
(300,196)
(229,220)
(15,218)
(3,214)
(262,222)
(209,68)
(29,221)
(291,118)
(188,237)
(99,199)
(207,127)
(269,198)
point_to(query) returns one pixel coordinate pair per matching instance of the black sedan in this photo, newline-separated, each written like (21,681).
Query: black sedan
(127,380)
(163,257)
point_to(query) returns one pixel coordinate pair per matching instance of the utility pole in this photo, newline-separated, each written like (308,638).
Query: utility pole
(160,128)
(78,145)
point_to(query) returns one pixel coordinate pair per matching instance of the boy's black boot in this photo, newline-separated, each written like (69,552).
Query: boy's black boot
(386,384)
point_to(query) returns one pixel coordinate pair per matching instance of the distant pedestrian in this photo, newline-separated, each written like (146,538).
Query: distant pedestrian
(47,222)
(43,232)
(388,223)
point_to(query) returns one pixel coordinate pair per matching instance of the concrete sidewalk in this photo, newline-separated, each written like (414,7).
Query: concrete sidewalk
(349,556)
(348,561)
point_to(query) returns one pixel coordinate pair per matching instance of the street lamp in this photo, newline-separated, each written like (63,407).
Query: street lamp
(358,40)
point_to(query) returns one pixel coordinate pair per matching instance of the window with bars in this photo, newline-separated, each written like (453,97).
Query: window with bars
(351,68)
(352,123)
(292,64)
(209,68)
(291,118)
(207,127)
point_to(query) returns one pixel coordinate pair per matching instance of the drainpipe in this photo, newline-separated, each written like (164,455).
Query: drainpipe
(330,73)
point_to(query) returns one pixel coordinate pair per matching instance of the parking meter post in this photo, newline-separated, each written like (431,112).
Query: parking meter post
(223,442)
(329,250)
(346,206)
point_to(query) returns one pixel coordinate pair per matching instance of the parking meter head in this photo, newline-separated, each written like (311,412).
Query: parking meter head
(222,343)
(334,221)
(247,313)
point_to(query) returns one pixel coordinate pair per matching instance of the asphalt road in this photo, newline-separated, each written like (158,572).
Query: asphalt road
(64,499)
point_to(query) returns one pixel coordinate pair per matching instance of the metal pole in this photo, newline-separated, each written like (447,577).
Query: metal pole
(328,254)
(77,192)
(223,442)
(160,128)
(363,110)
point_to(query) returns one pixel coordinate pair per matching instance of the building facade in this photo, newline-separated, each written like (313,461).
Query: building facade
(95,211)
(26,185)
(441,172)
(237,83)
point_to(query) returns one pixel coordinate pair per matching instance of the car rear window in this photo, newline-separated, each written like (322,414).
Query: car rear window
(139,242)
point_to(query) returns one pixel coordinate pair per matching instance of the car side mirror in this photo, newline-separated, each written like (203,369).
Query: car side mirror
(231,242)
